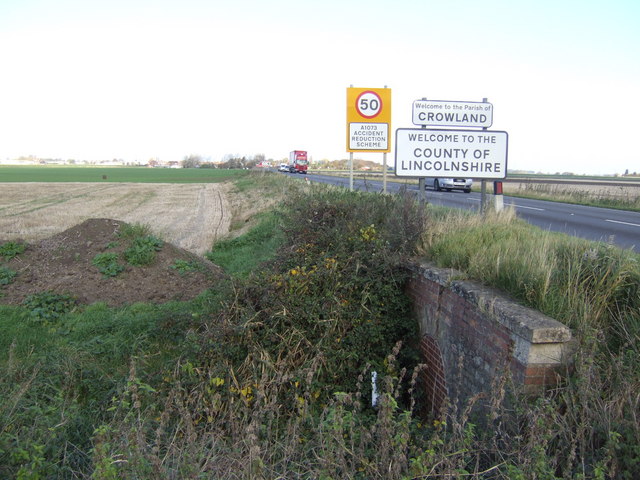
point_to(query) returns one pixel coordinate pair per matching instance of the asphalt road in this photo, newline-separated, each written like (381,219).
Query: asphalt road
(619,227)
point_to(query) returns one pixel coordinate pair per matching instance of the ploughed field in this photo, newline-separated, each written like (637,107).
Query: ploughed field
(190,216)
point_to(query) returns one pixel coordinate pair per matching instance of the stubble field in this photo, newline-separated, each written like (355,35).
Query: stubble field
(190,216)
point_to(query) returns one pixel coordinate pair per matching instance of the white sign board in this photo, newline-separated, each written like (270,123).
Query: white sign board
(439,113)
(369,136)
(422,152)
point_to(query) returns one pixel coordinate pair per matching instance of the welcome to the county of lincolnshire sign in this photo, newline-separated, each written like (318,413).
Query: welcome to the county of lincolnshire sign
(439,113)
(424,152)
(368,119)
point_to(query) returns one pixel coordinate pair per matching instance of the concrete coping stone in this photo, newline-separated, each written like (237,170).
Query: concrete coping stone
(525,322)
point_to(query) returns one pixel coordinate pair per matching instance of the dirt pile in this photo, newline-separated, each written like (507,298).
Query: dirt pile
(63,264)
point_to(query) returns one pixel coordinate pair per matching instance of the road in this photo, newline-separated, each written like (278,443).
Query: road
(620,227)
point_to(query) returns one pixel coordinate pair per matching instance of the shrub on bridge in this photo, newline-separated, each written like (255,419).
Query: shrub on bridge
(335,291)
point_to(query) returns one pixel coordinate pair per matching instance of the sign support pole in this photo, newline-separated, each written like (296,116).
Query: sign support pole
(422,187)
(483,183)
(384,172)
(351,171)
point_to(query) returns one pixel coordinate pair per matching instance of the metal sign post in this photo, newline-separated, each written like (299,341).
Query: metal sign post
(483,186)
(384,172)
(351,171)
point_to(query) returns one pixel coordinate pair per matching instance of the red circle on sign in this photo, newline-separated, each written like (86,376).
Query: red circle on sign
(369,104)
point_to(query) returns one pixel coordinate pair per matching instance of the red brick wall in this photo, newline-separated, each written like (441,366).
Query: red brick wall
(469,347)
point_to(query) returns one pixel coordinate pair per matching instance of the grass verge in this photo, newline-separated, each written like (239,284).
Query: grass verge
(242,255)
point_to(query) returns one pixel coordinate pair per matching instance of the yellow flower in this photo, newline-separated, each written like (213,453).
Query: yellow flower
(217,381)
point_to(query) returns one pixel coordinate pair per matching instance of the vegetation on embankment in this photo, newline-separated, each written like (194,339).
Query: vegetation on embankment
(269,376)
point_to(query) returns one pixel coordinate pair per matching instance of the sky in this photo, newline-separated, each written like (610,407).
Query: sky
(140,79)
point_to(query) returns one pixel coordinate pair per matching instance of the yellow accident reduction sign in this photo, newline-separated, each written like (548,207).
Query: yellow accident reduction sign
(368,119)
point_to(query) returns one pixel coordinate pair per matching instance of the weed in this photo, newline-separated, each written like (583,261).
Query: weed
(142,250)
(6,275)
(107,264)
(184,266)
(133,231)
(9,250)
(48,307)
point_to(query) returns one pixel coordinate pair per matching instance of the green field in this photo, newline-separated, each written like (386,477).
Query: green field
(40,173)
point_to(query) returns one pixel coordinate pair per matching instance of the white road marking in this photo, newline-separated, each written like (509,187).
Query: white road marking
(530,208)
(623,223)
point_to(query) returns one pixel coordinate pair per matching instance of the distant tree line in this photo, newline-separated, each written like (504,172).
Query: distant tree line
(237,161)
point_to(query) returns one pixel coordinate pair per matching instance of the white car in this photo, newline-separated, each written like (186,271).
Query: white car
(283,167)
(448,184)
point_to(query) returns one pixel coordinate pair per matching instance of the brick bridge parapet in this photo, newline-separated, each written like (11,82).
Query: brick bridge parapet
(472,335)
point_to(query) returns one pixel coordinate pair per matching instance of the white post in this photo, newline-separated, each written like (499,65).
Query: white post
(374,389)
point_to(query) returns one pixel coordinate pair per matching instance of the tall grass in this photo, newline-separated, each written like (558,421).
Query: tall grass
(575,281)
(619,197)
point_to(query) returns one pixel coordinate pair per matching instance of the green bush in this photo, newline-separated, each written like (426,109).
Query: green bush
(334,289)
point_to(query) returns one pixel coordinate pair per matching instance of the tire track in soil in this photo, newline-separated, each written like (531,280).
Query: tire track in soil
(209,200)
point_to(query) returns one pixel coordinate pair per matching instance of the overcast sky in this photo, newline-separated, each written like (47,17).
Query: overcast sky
(136,79)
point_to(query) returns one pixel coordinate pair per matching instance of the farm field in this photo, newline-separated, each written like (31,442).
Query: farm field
(45,173)
(190,216)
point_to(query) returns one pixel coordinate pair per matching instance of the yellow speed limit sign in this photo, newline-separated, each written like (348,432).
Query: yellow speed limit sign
(368,119)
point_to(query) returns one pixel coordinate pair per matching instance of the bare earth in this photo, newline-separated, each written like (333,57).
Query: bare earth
(66,225)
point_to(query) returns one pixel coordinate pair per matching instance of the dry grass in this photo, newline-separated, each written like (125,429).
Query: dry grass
(624,195)
(191,216)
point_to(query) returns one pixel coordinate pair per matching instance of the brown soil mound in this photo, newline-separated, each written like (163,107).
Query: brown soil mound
(63,264)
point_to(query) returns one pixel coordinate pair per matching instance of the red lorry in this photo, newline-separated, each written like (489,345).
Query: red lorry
(298,162)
